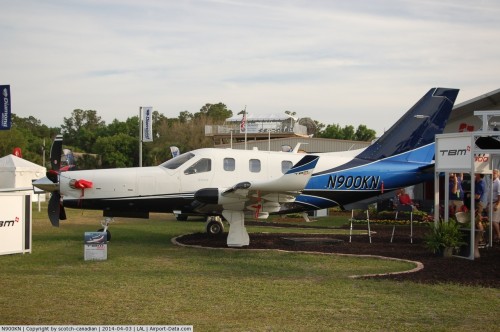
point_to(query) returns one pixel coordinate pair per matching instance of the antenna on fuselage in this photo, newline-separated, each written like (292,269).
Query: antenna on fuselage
(296,148)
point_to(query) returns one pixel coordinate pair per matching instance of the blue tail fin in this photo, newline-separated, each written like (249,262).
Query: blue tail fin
(417,128)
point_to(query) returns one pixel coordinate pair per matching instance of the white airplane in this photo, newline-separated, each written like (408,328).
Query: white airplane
(226,182)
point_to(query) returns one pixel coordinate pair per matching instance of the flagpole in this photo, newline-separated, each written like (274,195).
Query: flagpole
(243,124)
(140,136)
(246,123)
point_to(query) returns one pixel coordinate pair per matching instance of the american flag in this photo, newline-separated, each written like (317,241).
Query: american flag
(243,124)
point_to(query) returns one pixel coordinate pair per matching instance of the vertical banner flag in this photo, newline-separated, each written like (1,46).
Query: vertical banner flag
(147,124)
(243,124)
(5,114)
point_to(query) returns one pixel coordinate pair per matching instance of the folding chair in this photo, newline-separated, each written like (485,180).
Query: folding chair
(363,207)
(404,208)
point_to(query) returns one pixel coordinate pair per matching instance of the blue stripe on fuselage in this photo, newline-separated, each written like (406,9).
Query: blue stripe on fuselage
(361,179)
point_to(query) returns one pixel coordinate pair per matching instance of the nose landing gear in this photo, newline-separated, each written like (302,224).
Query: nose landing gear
(105,224)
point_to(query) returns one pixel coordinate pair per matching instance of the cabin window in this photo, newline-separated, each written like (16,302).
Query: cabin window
(254,165)
(174,163)
(201,166)
(286,165)
(229,164)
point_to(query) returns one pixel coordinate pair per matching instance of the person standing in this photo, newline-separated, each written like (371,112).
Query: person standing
(495,218)
(456,193)
(479,199)
(480,193)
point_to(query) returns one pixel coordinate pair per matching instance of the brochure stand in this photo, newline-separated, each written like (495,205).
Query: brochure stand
(95,246)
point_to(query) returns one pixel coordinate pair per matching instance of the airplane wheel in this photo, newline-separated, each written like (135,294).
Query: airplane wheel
(181,217)
(215,228)
(108,234)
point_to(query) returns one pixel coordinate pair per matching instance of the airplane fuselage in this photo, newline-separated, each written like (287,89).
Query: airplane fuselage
(171,186)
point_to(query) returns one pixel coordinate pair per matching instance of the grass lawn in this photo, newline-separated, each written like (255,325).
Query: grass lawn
(148,280)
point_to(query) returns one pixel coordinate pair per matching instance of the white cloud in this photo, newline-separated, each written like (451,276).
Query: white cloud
(353,62)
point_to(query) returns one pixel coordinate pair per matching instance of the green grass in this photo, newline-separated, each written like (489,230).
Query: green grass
(148,280)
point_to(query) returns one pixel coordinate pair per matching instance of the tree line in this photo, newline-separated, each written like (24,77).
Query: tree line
(101,145)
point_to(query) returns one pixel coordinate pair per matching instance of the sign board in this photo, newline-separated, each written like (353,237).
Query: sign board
(454,152)
(15,223)
(147,124)
(5,112)
(95,246)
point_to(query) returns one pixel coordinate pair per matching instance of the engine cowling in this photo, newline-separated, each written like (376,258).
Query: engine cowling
(207,195)
(214,196)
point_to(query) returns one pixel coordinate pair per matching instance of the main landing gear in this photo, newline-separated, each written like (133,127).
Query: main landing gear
(237,236)
(105,224)
(214,226)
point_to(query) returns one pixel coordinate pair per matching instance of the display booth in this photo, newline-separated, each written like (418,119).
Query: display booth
(471,153)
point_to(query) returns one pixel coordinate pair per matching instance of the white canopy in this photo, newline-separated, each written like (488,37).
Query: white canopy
(16,172)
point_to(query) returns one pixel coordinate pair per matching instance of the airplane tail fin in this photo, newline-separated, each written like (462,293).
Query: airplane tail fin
(416,129)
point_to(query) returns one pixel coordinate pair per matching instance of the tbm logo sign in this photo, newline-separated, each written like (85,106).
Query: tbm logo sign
(8,223)
(455,152)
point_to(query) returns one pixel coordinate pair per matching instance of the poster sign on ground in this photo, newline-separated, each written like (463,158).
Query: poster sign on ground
(15,223)
(95,246)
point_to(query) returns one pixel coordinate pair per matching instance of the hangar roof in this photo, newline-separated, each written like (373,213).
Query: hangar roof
(256,117)
(463,117)
(488,101)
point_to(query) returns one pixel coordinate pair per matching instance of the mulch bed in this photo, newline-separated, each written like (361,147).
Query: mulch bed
(483,271)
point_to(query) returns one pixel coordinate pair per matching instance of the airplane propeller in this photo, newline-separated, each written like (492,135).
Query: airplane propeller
(55,209)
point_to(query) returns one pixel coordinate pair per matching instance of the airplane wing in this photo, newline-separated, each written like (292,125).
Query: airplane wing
(263,197)
(266,197)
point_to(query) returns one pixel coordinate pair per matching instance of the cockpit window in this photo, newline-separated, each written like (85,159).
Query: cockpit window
(202,165)
(174,163)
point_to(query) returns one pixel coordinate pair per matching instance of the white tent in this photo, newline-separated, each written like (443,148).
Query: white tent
(17,173)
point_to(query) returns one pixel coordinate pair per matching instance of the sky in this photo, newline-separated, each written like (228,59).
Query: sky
(338,62)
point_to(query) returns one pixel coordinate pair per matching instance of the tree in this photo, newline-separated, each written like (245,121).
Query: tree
(331,131)
(347,133)
(10,139)
(185,116)
(364,134)
(27,134)
(116,151)
(82,129)
(216,112)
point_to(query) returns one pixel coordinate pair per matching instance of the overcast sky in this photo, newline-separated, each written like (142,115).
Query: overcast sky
(347,62)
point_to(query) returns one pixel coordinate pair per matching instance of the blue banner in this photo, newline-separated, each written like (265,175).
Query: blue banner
(147,124)
(5,115)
